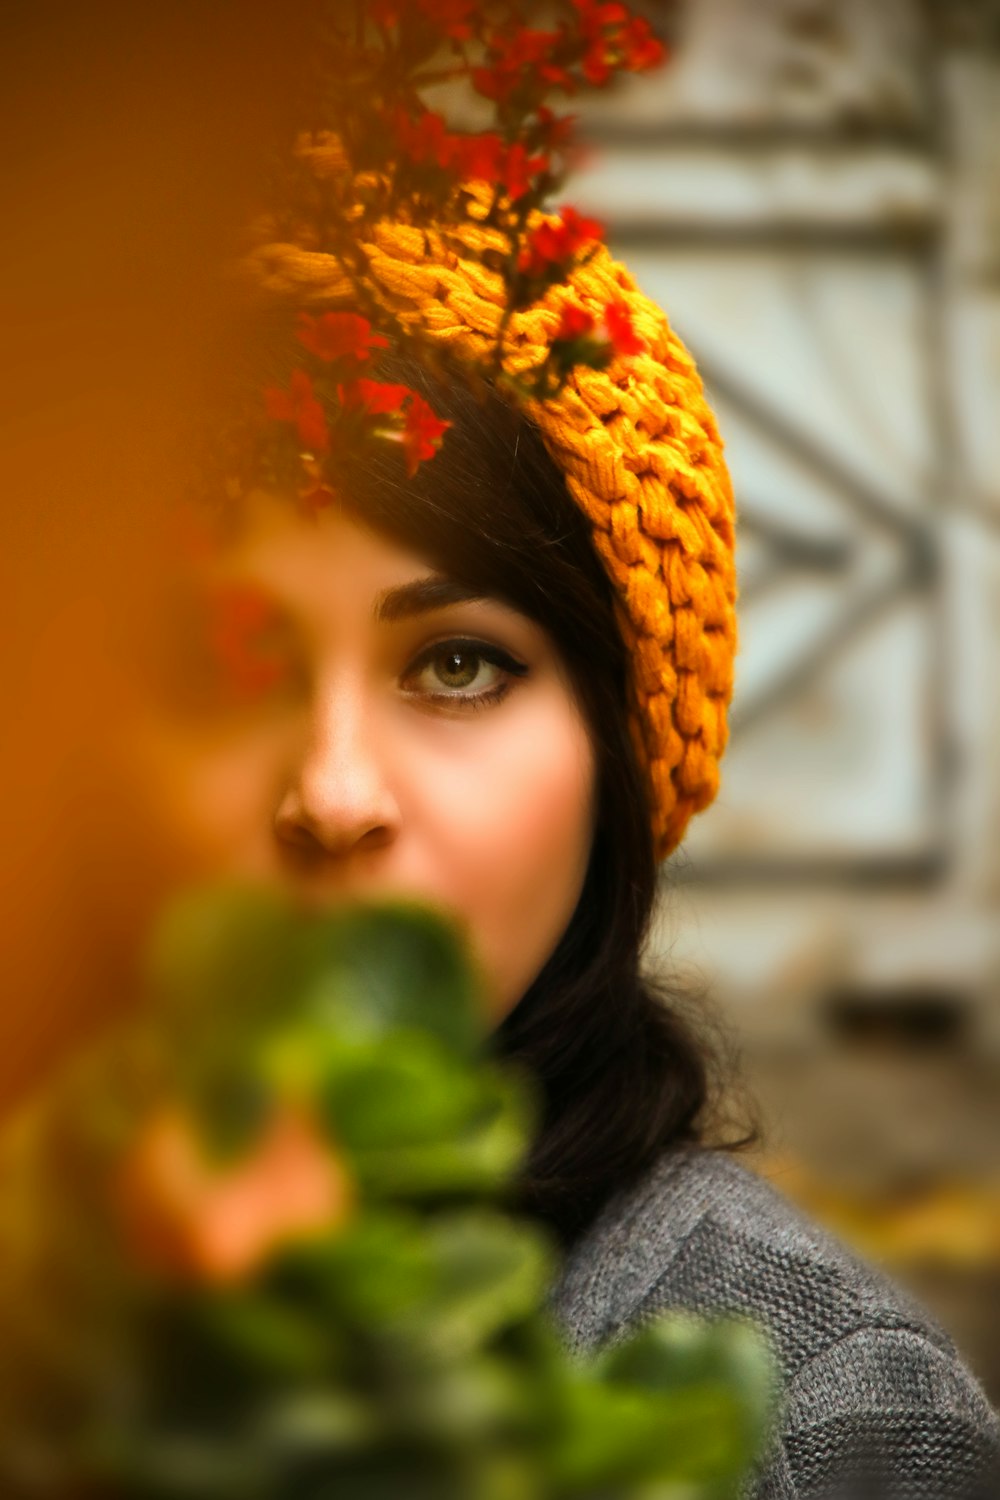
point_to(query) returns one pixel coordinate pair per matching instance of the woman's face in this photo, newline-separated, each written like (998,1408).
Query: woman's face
(416,742)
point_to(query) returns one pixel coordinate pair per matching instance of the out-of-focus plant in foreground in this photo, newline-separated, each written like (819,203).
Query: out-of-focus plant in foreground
(258,1243)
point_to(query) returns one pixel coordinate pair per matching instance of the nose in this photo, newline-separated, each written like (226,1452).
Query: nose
(338,797)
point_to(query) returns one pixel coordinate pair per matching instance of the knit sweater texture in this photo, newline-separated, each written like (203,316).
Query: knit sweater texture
(875,1402)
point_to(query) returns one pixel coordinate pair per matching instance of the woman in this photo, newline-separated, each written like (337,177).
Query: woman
(499,684)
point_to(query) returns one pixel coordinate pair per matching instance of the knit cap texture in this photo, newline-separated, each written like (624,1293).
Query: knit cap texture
(638,447)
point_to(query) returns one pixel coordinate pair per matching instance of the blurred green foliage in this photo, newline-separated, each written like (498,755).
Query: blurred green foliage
(401,1349)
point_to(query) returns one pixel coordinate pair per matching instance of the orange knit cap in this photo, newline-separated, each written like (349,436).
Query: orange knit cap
(641,455)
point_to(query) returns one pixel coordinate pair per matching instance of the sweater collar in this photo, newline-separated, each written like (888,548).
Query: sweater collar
(619,1258)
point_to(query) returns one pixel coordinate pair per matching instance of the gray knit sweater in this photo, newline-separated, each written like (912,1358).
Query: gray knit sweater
(875,1402)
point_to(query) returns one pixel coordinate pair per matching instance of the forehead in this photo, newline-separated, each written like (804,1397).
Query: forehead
(302,556)
(334,567)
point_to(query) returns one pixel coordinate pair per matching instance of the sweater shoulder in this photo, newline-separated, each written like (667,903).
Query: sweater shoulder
(865,1369)
(701,1232)
(882,1412)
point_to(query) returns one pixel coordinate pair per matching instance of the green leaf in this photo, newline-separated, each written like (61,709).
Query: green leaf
(322,1421)
(401,965)
(405,1089)
(683,1400)
(480,1161)
(376,1271)
(268,1334)
(489,1272)
(614,1435)
(223,952)
(243,956)
(677,1350)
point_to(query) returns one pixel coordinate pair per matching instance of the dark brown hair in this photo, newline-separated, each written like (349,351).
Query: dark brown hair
(621,1073)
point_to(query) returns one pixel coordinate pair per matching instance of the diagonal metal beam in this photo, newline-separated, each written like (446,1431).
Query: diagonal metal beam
(870,501)
(865,610)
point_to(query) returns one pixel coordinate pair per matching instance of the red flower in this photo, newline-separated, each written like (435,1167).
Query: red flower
(421,430)
(597,64)
(339,335)
(574,323)
(622,334)
(597,13)
(189,1219)
(518,169)
(426,138)
(518,58)
(240,617)
(451,16)
(300,405)
(615,40)
(481,156)
(492,83)
(375,397)
(554,243)
(641,49)
(422,433)
(556,130)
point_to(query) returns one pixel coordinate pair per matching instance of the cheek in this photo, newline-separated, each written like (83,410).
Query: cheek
(508,824)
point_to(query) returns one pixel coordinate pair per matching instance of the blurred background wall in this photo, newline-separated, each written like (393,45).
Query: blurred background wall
(812,190)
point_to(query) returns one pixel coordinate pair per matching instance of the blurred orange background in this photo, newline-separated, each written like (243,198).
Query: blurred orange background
(135,139)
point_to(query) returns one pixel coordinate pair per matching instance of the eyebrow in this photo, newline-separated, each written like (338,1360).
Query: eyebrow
(420,597)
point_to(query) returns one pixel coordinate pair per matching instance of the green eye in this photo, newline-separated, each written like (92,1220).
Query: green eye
(464,671)
(457,669)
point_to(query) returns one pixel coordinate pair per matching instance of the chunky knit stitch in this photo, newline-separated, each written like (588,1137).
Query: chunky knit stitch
(640,451)
(875,1401)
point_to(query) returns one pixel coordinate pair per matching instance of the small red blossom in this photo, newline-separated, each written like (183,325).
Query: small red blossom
(518,170)
(597,13)
(520,58)
(422,433)
(375,397)
(556,131)
(300,405)
(339,335)
(575,323)
(481,156)
(620,329)
(451,17)
(240,619)
(421,430)
(427,138)
(615,40)
(641,48)
(554,242)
